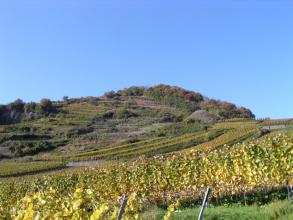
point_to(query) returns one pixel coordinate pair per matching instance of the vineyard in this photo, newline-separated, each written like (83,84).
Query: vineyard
(232,171)
(149,147)
(227,138)
(160,145)
(9,169)
(236,124)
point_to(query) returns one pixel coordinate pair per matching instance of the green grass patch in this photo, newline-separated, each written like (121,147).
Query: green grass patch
(280,210)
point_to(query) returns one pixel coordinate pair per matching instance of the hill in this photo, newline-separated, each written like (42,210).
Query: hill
(162,146)
(125,116)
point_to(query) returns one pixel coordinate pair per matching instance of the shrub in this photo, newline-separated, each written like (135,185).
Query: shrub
(123,112)
(30,107)
(45,107)
(110,94)
(29,148)
(132,91)
(170,117)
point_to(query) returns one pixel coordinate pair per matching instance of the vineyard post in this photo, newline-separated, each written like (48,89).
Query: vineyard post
(290,190)
(244,195)
(245,199)
(122,207)
(217,200)
(165,197)
(200,215)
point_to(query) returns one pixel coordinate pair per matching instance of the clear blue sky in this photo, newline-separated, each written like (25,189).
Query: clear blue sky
(239,51)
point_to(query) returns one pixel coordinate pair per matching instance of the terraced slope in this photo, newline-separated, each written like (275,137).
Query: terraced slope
(149,147)
(82,126)
(201,140)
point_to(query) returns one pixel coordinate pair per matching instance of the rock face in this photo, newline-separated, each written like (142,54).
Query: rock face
(4,152)
(10,116)
(203,116)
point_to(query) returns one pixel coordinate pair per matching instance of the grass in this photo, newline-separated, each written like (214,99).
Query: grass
(278,210)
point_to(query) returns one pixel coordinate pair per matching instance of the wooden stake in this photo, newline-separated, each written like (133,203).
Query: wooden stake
(203,205)
(122,207)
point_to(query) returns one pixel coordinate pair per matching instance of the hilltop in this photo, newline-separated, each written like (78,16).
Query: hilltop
(125,116)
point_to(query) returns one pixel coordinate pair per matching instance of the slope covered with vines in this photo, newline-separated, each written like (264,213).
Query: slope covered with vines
(230,170)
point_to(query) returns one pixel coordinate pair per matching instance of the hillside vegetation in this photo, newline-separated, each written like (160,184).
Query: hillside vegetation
(83,124)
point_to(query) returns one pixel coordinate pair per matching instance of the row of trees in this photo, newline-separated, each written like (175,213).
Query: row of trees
(184,99)
(18,110)
(128,92)
(226,110)
(158,92)
(44,108)
(170,95)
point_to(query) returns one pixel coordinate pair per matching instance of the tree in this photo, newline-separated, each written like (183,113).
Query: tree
(175,96)
(123,113)
(110,94)
(132,91)
(245,113)
(45,107)
(17,105)
(65,98)
(30,107)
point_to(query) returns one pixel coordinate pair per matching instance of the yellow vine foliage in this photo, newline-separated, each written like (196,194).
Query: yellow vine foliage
(95,193)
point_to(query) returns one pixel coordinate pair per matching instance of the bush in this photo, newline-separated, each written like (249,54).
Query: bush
(29,148)
(170,117)
(30,107)
(191,121)
(122,112)
(110,94)
(45,107)
(132,91)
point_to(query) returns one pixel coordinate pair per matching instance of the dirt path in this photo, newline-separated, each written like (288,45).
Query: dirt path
(86,163)
(274,127)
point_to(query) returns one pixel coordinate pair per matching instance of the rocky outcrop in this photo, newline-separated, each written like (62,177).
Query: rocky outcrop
(203,116)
